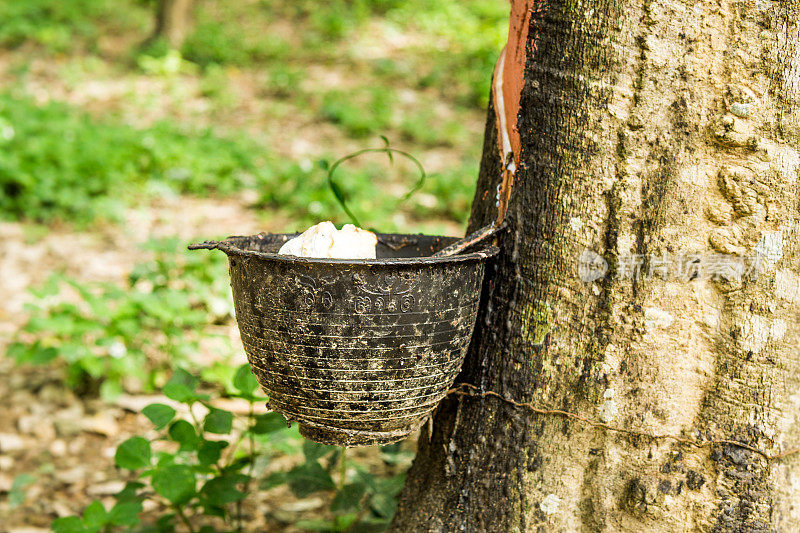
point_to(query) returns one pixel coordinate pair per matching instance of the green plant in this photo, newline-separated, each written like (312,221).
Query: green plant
(199,471)
(451,191)
(215,84)
(168,64)
(333,20)
(361,112)
(110,337)
(360,501)
(424,127)
(46,172)
(475,32)
(302,190)
(59,26)
(285,81)
(212,42)
(18,492)
(339,193)
(233,36)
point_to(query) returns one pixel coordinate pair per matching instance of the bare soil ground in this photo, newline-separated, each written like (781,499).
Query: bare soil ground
(68,442)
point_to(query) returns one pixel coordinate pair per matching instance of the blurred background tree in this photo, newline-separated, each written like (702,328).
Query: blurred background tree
(173,21)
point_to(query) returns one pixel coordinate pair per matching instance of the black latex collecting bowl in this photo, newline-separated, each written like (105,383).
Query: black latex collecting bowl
(358,352)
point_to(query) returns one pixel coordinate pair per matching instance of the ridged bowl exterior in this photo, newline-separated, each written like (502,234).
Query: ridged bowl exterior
(357,352)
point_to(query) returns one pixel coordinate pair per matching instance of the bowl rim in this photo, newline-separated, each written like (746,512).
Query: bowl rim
(230,248)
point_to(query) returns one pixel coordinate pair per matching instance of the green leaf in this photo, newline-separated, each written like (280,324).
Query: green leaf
(33,354)
(348,498)
(17,494)
(210,509)
(110,390)
(133,454)
(370,524)
(222,490)
(184,434)
(17,351)
(342,522)
(383,504)
(181,387)
(176,483)
(393,454)
(387,149)
(165,523)
(218,421)
(95,515)
(68,524)
(337,191)
(129,493)
(244,380)
(314,450)
(309,478)
(365,477)
(268,423)
(391,486)
(273,480)
(385,491)
(159,414)
(210,451)
(393,448)
(42,356)
(125,514)
(220,374)
(317,524)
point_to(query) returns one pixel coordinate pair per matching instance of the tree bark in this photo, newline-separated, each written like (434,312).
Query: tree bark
(173,21)
(649,129)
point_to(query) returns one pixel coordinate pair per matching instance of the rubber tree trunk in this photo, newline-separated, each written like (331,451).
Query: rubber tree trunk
(653,130)
(173,21)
